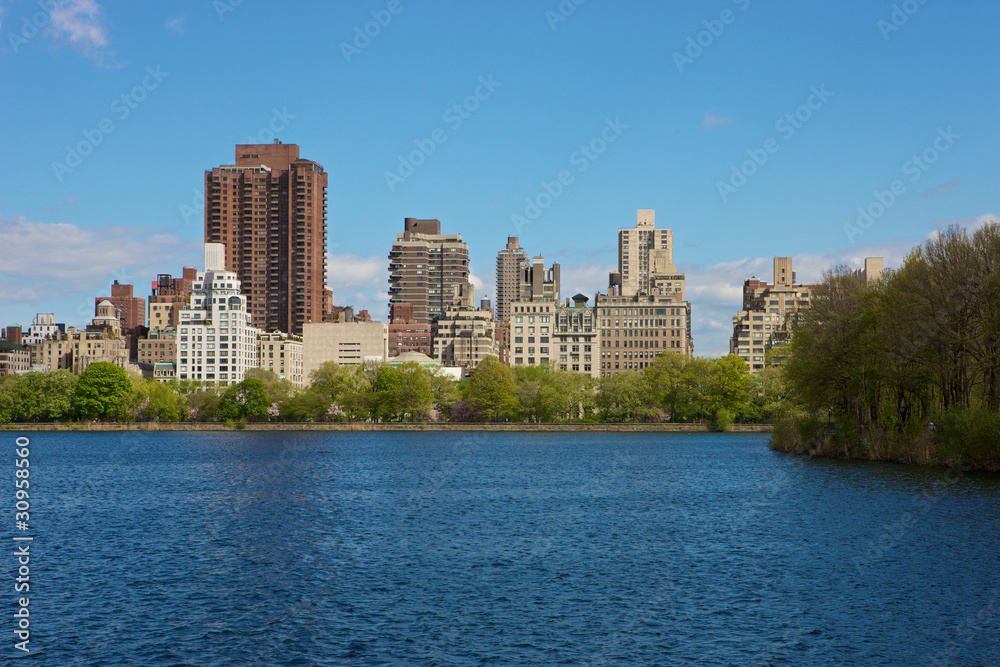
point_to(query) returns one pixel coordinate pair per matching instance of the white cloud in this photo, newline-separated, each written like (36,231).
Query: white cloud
(79,22)
(175,25)
(48,260)
(711,120)
(585,279)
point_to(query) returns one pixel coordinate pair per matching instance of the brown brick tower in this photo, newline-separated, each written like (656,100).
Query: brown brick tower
(269,210)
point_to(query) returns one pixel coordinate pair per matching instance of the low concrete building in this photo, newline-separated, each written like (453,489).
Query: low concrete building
(347,343)
(281,354)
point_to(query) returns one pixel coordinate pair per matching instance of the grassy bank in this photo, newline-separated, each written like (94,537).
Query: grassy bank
(367,426)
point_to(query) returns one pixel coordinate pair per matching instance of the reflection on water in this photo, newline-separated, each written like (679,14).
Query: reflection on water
(468,548)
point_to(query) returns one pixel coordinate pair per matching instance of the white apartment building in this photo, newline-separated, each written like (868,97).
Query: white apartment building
(215,341)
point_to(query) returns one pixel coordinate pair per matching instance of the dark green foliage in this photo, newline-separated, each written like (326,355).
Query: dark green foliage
(883,359)
(102,392)
(245,400)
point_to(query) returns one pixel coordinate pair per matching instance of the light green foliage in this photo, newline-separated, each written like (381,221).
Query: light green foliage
(278,390)
(413,395)
(730,385)
(492,390)
(102,392)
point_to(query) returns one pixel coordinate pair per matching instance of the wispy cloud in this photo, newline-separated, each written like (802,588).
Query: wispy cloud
(711,120)
(50,260)
(176,25)
(80,23)
(939,191)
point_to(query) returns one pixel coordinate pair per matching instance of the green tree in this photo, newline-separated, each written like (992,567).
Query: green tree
(102,392)
(386,388)
(445,392)
(492,390)
(625,396)
(246,399)
(278,390)
(310,404)
(730,385)
(414,396)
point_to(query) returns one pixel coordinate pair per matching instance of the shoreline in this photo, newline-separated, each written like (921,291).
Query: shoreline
(365,426)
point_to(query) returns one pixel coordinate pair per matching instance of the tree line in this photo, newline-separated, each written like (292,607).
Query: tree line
(906,367)
(672,389)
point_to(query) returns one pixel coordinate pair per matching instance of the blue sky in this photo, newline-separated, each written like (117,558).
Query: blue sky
(829,103)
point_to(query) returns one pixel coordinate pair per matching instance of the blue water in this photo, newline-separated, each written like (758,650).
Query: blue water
(499,549)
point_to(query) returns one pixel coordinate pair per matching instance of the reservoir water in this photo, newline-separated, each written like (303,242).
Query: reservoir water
(241,548)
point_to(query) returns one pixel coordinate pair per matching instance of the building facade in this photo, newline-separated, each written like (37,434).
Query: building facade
(510,260)
(282,355)
(167,297)
(637,329)
(14,358)
(216,342)
(346,343)
(642,252)
(463,337)
(43,326)
(425,266)
(405,335)
(131,309)
(269,211)
(158,347)
(576,337)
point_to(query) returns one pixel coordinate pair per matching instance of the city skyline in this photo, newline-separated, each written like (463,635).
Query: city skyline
(755,130)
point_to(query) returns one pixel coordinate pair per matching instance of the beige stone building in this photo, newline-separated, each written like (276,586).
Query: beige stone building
(14,358)
(347,343)
(463,337)
(281,354)
(576,337)
(75,350)
(158,347)
(643,252)
(637,329)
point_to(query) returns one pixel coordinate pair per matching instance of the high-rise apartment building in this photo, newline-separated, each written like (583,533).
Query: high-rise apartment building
(645,312)
(642,252)
(216,343)
(509,263)
(269,211)
(425,266)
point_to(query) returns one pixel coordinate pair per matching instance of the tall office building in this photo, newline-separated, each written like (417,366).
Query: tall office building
(424,268)
(269,210)
(509,262)
(642,252)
